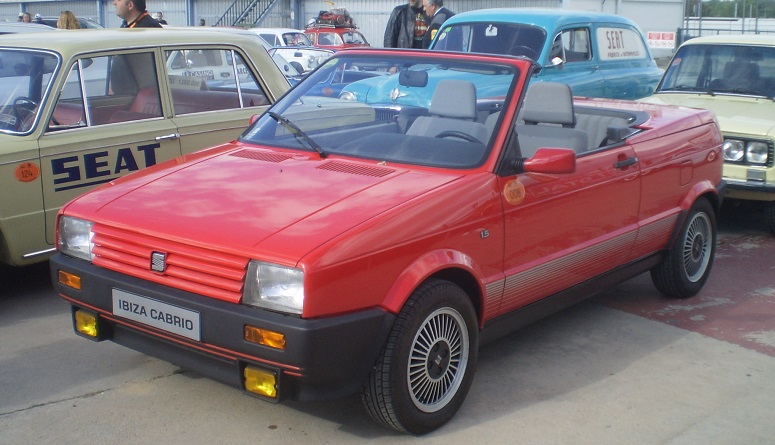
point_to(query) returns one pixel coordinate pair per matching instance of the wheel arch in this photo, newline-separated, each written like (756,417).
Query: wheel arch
(449,265)
(701,190)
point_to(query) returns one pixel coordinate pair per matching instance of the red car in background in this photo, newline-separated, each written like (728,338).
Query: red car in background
(334,30)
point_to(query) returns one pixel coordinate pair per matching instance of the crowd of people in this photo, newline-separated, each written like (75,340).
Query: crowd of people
(415,23)
(411,25)
(133,13)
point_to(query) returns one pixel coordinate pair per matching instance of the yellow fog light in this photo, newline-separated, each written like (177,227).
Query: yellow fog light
(260,381)
(265,337)
(69,279)
(86,323)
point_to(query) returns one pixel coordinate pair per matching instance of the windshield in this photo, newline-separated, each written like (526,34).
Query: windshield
(492,38)
(24,81)
(381,108)
(722,69)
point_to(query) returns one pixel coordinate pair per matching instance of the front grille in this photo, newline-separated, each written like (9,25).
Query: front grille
(193,269)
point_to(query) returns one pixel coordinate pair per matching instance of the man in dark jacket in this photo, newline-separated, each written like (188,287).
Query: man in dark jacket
(134,14)
(438,14)
(406,26)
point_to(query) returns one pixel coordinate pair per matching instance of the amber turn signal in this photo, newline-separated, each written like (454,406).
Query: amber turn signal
(69,279)
(265,337)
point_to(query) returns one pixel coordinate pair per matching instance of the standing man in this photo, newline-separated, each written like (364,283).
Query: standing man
(160,18)
(134,14)
(407,26)
(438,14)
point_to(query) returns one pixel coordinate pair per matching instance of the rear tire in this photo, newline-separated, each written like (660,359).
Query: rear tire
(687,265)
(428,364)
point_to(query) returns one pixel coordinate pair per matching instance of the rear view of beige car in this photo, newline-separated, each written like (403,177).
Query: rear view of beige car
(90,106)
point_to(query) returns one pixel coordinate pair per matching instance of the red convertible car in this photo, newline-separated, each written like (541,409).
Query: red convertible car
(343,245)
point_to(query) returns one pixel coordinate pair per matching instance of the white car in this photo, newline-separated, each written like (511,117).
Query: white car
(294,46)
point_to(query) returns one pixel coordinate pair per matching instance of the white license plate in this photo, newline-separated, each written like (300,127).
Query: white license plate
(155,313)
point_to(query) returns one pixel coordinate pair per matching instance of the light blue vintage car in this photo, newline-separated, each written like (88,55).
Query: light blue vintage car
(598,55)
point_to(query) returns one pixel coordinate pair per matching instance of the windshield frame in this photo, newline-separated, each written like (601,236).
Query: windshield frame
(732,69)
(370,106)
(32,78)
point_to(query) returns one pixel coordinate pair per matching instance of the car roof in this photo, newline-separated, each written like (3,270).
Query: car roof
(87,40)
(19,27)
(276,30)
(545,18)
(738,39)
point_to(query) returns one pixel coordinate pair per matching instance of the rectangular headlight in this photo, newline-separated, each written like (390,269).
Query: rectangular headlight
(274,287)
(75,237)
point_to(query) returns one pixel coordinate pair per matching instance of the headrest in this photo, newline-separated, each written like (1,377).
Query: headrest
(455,99)
(549,102)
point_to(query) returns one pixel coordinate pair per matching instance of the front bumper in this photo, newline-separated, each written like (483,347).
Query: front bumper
(323,359)
(751,190)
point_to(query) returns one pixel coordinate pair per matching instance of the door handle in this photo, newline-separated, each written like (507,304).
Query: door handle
(167,137)
(625,163)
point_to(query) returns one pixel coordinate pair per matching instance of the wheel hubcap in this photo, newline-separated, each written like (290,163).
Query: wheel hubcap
(697,247)
(438,360)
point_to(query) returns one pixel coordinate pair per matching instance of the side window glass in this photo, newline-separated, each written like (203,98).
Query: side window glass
(218,80)
(575,44)
(133,92)
(108,89)
(620,44)
(70,110)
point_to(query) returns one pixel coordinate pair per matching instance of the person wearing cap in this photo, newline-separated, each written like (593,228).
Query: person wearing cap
(134,14)
(38,19)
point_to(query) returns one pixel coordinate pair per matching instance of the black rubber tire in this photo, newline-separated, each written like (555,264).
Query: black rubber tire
(688,264)
(769,216)
(433,346)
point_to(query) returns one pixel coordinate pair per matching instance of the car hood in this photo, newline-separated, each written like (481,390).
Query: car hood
(241,198)
(735,114)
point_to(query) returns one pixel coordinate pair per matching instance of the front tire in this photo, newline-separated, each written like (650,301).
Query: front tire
(688,264)
(428,364)
(769,216)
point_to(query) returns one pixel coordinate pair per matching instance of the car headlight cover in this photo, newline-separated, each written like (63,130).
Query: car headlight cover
(274,287)
(756,152)
(75,237)
(734,150)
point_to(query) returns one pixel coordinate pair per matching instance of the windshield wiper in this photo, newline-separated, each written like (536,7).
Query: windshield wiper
(298,133)
(687,88)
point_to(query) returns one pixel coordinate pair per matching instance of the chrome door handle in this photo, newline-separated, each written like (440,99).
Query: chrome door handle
(168,137)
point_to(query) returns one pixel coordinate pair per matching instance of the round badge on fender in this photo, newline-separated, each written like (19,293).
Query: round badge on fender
(514,192)
(27,172)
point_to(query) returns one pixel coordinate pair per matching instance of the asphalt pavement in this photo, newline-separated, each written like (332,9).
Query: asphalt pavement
(628,367)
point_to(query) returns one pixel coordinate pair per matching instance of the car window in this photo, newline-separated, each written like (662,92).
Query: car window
(572,45)
(24,80)
(353,37)
(620,44)
(328,38)
(271,39)
(106,90)
(296,39)
(492,38)
(211,79)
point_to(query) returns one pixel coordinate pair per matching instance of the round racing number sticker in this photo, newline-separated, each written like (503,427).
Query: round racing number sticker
(514,192)
(27,172)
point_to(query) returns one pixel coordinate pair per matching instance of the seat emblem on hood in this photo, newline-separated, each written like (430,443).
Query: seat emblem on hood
(158,261)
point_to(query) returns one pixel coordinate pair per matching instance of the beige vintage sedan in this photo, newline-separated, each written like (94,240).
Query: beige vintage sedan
(90,106)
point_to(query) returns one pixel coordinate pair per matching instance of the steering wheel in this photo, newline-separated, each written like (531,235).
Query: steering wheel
(23,105)
(459,135)
(521,50)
